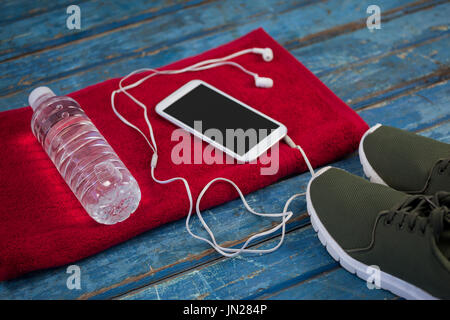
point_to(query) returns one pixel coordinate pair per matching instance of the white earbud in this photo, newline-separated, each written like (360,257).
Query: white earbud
(263,82)
(266,53)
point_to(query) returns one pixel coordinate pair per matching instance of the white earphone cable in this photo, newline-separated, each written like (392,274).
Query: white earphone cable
(204,65)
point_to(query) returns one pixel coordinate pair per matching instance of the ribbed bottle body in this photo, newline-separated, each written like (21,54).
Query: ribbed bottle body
(88,164)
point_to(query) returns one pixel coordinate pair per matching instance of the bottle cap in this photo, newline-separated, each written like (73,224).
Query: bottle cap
(38,93)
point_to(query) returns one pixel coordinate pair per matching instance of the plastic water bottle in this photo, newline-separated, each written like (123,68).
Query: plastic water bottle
(88,164)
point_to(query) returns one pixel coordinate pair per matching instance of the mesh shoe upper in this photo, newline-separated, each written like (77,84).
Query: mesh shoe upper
(407,161)
(348,205)
(406,236)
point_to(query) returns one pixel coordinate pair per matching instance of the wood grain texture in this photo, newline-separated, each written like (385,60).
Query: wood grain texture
(397,37)
(395,76)
(296,265)
(310,59)
(249,276)
(126,43)
(169,38)
(13,11)
(335,285)
(49,29)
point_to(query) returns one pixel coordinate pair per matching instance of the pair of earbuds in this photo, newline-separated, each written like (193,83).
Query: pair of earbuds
(267,55)
(260,82)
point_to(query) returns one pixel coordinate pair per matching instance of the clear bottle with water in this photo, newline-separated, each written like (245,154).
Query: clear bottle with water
(88,164)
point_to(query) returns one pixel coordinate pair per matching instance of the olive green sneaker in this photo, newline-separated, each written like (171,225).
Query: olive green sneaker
(405,161)
(400,242)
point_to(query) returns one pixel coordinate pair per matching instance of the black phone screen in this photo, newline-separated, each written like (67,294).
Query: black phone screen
(213,114)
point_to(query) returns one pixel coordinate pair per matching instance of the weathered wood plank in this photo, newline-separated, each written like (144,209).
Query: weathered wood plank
(168,250)
(48,29)
(337,284)
(163,31)
(393,74)
(317,65)
(396,36)
(189,24)
(441,134)
(361,24)
(102,16)
(14,10)
(248,276)
(434,108)
(301,258)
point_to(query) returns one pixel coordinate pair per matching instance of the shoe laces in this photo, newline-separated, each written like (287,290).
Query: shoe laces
(419,211)
(444,165)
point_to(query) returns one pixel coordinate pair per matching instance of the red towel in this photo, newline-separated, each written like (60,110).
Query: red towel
(43,225)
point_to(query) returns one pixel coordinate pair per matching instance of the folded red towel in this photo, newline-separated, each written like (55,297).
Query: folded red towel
(43,224)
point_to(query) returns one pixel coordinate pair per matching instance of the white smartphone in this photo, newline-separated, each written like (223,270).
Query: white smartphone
(221,120)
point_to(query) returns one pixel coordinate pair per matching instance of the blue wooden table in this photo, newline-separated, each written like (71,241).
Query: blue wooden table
(396,75)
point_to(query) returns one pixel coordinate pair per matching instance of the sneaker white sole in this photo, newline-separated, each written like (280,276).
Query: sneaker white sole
(368,170)
(388,282)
